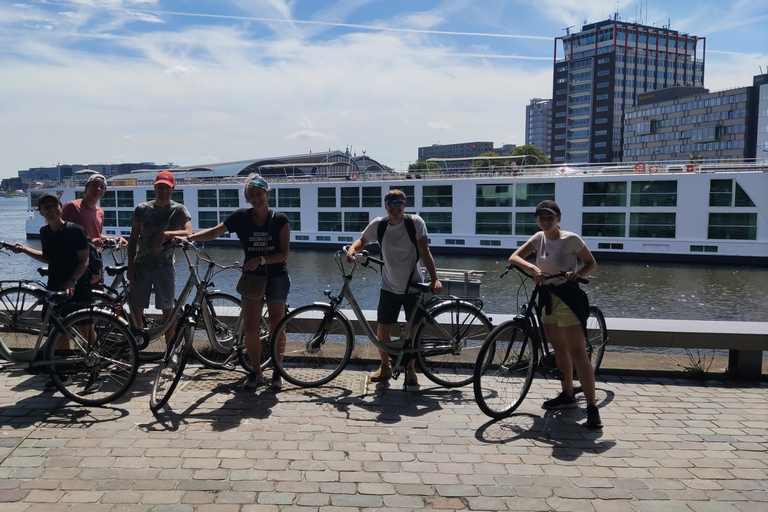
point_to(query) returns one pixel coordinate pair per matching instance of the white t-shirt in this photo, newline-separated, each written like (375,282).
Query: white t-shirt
(398,253)
(557,255)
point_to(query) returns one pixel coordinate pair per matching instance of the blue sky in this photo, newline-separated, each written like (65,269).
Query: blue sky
(194,82)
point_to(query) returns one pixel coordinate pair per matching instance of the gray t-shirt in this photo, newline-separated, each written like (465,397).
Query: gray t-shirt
(153,220)
(398,253)
(558,254)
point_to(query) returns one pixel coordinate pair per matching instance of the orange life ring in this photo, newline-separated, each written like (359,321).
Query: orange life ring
(639,166)
(353,176)
(653,168)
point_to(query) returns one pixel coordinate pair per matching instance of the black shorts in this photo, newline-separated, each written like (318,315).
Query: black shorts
(390,304)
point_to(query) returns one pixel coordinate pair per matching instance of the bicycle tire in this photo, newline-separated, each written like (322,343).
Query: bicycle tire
(449,342)
(217,335)
(99,344)
(21,316)
(597,337)
(172,364)
(318,344)
(504,370)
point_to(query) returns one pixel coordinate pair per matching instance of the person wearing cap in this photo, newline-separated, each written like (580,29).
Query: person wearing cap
(150,264)
(565,307)
(265,236)
(87,213)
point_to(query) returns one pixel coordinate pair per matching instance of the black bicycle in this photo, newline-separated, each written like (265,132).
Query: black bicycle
(515,349)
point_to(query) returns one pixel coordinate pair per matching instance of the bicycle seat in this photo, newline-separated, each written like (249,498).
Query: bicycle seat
(113,271)
(54,296)
(422,287)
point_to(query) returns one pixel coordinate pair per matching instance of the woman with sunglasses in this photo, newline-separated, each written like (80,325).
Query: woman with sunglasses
(565,305)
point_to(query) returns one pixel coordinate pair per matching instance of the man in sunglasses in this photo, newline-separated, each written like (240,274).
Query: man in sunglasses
(406,241)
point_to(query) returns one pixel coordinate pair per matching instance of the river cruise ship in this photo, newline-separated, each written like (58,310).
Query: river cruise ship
(661,212)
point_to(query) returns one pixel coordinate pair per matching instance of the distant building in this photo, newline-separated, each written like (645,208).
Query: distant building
(461,150)
(605,66)
(760,83)
(684,122)
(538,125)
(64,171)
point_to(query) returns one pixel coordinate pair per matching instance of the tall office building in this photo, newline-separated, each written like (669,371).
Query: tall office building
(603,69)
(538,125)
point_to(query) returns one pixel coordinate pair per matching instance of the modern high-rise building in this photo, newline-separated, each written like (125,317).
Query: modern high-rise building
(538,125)
(603,69)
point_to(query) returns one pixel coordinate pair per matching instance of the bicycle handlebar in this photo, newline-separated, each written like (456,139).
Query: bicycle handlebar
(529,275)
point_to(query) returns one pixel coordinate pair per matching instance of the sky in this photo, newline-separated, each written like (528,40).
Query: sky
(194,82)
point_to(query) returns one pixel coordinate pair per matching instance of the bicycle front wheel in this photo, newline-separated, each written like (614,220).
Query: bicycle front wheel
(172,365)
(21,316)
(504,370)
(449,340)
(311,345)
(597,337)
(96,358)
(217,336)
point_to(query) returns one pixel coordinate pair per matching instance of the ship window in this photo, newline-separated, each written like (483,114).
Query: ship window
(124,218)
(326,197)
(454,241)
(531,194)
(355,221)
(410,195)
(350,197)
(302,237)
(272,201)
(345,239)
(493,223)
(438,195)
(652,225)
(525,223)
(603,224)
(329,221)
(222,217)
(438,222)
(294,220)
(207,219)
(110,218)
(722,193)
(289,197)
(732,226)
(125,199)
(605,193)
(494,195)
(490,242)
(229,198)
(108,199)
(703,248)
(177,196)
(654,193)
(323,238)
(79,194)
(372,197)
(207,199)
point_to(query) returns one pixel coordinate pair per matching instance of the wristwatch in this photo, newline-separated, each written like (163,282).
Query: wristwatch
(263,261)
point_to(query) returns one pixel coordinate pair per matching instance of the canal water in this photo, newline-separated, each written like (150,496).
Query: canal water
(621,289)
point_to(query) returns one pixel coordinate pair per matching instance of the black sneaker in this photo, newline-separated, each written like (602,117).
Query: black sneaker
(254,380)
(561,401)
(93,385)
(277,383)
(593,418)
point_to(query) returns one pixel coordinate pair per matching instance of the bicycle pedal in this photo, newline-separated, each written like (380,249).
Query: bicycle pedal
(395,374)
(228,366)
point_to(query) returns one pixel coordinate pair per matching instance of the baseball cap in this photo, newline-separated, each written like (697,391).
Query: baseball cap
(548,205)
(165,178)
(45,198)
(99,178)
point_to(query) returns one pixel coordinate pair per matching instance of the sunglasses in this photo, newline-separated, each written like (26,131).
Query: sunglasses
(395,203)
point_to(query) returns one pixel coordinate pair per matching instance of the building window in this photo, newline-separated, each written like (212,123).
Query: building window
(289,197)
(605,193)
(493,223)
(350,197)
(294,220)
(531,194)
(723,193)
(654,193)
(439,195)
(355,221)
(329,221)
(494,195)
(732,226)
(326,197)
(438,222)
(652,225)
(372,197)
(603,224)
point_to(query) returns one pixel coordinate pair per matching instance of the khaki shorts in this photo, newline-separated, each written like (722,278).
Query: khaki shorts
(562,316)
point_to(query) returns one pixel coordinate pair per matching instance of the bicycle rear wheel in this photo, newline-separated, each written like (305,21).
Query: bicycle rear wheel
(172,365)
(217,335)
(96,357)
(597,337)
(504,370)
(21,316)
(318,344)
(449,343)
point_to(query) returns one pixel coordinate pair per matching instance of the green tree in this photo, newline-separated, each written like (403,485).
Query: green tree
(423,165)
(484,164)
(530,149)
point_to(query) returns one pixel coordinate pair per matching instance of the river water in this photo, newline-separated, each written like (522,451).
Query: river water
(621,289)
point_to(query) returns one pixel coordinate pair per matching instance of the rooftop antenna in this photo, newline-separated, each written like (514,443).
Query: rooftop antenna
(568,30)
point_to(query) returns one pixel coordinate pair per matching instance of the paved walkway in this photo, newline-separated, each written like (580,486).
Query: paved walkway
(667,445)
